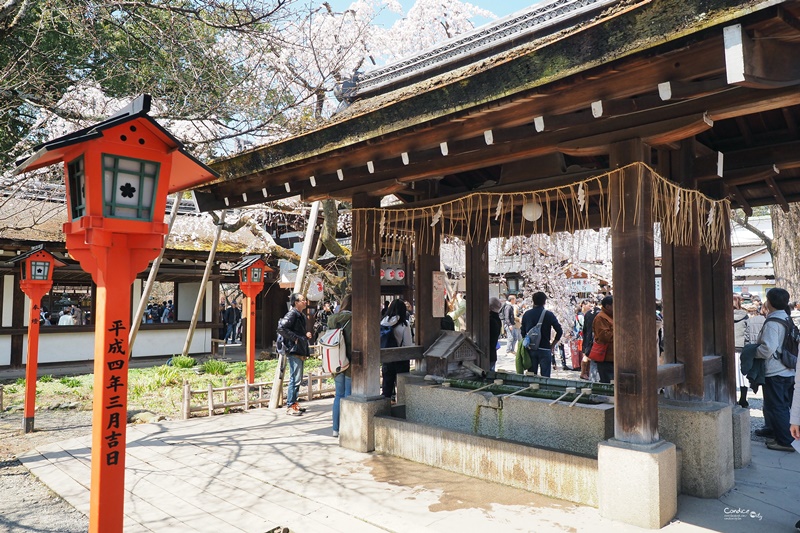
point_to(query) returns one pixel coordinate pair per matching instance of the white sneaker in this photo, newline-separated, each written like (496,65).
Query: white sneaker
(335,433)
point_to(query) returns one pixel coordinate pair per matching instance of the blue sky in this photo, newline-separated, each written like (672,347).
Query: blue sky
(501,8)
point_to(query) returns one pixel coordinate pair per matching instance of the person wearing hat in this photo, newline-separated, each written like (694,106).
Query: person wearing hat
(495,326)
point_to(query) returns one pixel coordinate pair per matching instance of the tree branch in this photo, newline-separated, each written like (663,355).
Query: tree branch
(744,221)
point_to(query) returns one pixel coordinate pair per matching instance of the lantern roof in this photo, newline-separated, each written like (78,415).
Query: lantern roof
(32,251)
(249,261)
(187,171)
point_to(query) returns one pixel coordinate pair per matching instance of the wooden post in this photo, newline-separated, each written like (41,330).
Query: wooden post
(210,399)
(198,304)
(151,277)
(636,411)
(722,310)
(478,296)
(187,400)
(689,311)
(426,262)
(366,266)
(31,364)
(246,395)
(250,337)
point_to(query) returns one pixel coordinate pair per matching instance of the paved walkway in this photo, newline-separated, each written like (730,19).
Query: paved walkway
(258,470)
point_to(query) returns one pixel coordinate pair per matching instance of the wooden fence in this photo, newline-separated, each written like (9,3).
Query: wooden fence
(244,395)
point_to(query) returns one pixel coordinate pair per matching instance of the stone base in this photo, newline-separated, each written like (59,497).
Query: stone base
(742,453)
(402,379)
(703,431)
(552,473)
(356,428)
(531,421)
(636,483)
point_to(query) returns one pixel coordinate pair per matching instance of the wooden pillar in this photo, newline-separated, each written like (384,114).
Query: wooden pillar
(366,265)
(722,311)
(689,310)
(478,296)
(428,242)
(636,411)
(664,168)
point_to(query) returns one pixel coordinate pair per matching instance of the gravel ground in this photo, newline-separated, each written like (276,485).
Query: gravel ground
(27,505)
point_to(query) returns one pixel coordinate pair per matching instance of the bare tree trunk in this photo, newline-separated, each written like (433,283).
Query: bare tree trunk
(785,247)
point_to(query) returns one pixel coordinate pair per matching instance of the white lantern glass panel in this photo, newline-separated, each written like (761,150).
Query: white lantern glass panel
(40,270)
(243,276)
(255,275)
(76,178)
(129,187)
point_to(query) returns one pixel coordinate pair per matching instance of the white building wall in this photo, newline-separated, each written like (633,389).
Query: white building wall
(8,299)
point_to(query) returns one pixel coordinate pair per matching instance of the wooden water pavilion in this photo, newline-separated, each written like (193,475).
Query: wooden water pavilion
(603,113)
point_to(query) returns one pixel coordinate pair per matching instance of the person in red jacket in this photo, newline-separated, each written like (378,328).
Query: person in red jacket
(603,330)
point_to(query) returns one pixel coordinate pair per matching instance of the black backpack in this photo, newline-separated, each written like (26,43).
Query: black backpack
(787,353)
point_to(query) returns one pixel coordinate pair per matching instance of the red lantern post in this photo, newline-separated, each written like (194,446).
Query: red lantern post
(118,175)
(36,280)
(251,280)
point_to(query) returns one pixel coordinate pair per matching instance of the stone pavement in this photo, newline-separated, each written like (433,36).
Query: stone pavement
(262,469)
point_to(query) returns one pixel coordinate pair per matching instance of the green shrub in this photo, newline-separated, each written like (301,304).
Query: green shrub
(182,361)
(20,381)
(46,379)
(70,382)
(11,389)
(213,366)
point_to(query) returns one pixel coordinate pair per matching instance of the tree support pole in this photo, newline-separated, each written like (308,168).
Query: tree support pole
(151,278)
(202,292)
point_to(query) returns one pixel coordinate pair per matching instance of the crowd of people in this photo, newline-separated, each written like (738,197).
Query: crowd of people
(70,315)
(159,313)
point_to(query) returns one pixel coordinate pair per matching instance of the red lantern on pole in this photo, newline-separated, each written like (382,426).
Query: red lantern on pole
(36,280)
(118,174)
(251,280)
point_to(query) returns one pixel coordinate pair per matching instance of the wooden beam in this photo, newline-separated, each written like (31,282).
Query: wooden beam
(779,197)
(669,375)
(739,197)
(671,91)
(403,353)
(728,104)
(761,63)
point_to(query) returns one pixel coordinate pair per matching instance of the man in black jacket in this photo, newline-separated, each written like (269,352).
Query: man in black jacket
(292,327)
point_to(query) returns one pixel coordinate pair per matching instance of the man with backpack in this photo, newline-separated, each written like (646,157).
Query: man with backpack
(780,374)
(540,348)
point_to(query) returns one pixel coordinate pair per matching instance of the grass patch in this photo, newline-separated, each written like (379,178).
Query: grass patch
(182,361)
(215,367)
(156,389)
(70,382)
(20,381)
